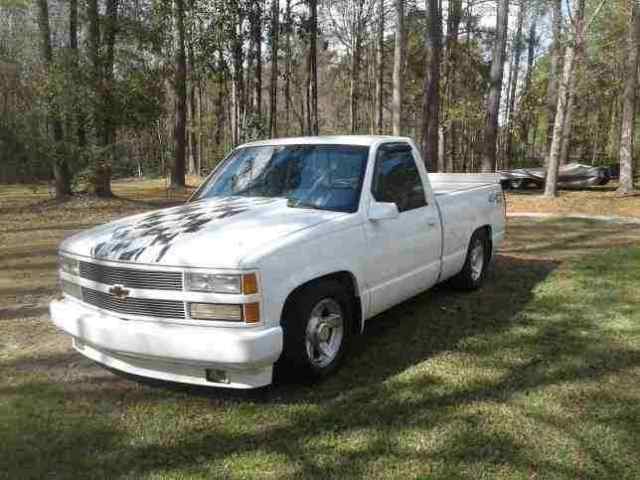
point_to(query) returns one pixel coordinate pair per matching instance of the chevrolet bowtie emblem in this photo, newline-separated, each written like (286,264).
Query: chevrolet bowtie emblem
(119,292)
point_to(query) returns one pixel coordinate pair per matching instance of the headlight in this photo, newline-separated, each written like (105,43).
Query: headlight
(69,265)
(221,283)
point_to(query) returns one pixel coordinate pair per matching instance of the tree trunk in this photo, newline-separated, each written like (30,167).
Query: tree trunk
(396,102)
(177,172)
(565,147)
(61,172)
(110,32)
(256,41)
(514,74)
(273,97)
(554,71)
(201,141)
(73,26)
(193,128)
(629,102)
(102,72)
(451,81)
(551,185)
(431,90)
(615,128)
(288,68)
(220,100)
(562,121)
(495,91)
(94,58)
(312,70)
(353,87)
(442,148)
(379,109)
(73,45)
(371,62)
(100,168)
(567,128)
(449,122)
(306,104)
(237,81)
(532,41)
(46,50)
(258,79)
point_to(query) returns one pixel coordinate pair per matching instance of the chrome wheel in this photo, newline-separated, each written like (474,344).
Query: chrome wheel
(476,260)
(325,332)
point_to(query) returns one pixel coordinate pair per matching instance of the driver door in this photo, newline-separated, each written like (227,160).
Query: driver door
(404,252)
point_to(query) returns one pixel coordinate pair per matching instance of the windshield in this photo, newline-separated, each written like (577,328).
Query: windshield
(325,177)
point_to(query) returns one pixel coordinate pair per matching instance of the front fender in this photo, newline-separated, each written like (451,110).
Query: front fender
(290,267)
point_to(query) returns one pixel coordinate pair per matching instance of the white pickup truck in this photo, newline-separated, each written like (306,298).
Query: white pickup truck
(283,253)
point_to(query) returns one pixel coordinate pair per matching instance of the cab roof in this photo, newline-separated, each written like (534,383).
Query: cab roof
(363,140)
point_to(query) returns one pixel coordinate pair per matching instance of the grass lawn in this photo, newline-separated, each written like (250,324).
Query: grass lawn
(536,376)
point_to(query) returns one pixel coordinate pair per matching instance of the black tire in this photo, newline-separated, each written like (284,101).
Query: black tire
(468,279)
(295,362)
(517,185)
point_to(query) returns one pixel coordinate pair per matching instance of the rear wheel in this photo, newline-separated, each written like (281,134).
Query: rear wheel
(475,266)
(316,326)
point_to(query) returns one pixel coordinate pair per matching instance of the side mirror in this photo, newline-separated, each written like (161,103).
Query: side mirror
(383,211)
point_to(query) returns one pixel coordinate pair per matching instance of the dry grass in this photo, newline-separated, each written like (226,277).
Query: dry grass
(601,201)
(535,376)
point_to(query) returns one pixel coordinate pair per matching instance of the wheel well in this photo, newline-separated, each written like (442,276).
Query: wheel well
(488,230)
(348,281)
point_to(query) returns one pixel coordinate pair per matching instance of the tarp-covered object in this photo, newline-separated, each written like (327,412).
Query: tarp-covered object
(572,175)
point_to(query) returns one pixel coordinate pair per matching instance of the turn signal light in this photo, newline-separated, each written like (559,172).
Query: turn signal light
(249,284)
(252,313)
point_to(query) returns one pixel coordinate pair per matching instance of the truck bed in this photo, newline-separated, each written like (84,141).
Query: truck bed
(466,201)
(455,183)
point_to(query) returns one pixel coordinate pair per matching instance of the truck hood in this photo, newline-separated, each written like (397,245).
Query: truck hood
(215,233)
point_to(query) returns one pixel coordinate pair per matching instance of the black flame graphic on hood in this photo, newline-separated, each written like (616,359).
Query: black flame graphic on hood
(159,230)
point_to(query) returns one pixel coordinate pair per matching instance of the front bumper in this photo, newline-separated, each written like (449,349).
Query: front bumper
(178,353)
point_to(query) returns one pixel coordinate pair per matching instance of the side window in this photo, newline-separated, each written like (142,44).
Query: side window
(396,178)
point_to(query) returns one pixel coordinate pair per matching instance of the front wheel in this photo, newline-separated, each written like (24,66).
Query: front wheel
(475,266)
(317,327)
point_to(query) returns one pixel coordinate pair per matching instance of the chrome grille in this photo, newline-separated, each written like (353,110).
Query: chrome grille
(134,306)
(132,278)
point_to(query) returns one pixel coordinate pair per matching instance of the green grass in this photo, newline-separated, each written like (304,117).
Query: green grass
(536,376)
